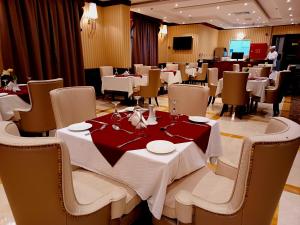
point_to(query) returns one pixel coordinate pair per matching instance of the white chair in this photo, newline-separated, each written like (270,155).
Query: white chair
(136,67)
(143,70)
(172,66)
(212,84)
(236,67)
(193,65)
(106,71)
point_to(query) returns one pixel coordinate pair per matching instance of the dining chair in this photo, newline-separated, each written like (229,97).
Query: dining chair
(184,76)
(143,70)
(265,71)
(188,99)
(193,65)
(42,188)
(172,66)
(106,71)
(274,94)
(136,67)
(244,195)
(212,84)
(234,92)
(73,105)
(236,67)
(151,90)
(202,76)
(39,118)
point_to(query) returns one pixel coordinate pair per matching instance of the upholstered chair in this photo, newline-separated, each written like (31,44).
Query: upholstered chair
(243,195)
(234,91)
(154,83)
(172,66)
(274,94)
(212,84)
(106,71)
(190,100)
(193,65)
(265,71)
(73,105)
(42,189)
(39,118)
(236,67)
(201,76)
(143,70)
(184,76)
(135,66)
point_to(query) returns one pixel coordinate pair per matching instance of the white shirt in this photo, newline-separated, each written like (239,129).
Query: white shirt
(273,56)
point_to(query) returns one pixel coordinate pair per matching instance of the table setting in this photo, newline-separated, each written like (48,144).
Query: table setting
(143,148)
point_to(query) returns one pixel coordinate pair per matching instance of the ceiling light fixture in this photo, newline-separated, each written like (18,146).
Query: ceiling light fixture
(190,15)
(253,11)
(180,12)
(290,8)
(218,7)
(246,3)
(228,14)
(288,1)
(176,5)
(291,15)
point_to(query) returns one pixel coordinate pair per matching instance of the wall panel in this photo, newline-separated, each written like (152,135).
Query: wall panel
(290,29)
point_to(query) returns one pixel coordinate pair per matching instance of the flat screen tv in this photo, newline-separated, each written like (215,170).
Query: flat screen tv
(237,55)
(182,43)
(239,46)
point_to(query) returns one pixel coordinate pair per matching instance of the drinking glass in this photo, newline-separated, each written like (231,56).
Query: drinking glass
(174,113)
(116,116)
(116,71)
(136,107)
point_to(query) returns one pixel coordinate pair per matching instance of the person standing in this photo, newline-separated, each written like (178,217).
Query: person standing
(272,56)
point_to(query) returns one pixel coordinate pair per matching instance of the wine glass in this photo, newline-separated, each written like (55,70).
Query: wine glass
(116,71)
(174,113)
(116,116)
(136,107)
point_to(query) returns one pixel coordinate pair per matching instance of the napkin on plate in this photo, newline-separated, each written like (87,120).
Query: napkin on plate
(137,120)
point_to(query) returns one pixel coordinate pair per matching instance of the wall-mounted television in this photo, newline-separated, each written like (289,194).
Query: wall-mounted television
(239,46)
(182,43)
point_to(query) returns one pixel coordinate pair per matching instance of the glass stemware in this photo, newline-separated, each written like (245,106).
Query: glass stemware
(116,116)
(174,113)
(136,107)
(116,71)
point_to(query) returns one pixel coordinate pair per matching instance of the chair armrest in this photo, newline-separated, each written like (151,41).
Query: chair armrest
(226,169)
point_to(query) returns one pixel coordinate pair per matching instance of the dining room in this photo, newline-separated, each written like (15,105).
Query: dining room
(146,112)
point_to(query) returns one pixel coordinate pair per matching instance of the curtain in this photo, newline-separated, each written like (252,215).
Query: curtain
(144,40)
(40,39)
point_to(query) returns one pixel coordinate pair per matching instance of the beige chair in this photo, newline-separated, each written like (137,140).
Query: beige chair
(135,66)
(106,71)
(193,65)
(172,66)
(234,91)
(236,67)
(184,76)
(274,94)
(154,83)
(42,189)
(190,100)
(39,118)
(202,76)
(265,71)
(212,84)
(243,195)
(143,70)
(73,105)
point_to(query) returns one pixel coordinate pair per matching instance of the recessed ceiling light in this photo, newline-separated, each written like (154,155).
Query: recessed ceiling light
(183,22)
(218,7)
(291,15)
(190,15)
(228,14)
(292,23)
(288,1)
(176,5)
(180,12)
(290,8)
(253,11)
(292,19)
(246,3)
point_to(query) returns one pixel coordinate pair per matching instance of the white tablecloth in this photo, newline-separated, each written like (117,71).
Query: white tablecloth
(169,77)
(8,104)
(257,87)
(147,173)
(125,84)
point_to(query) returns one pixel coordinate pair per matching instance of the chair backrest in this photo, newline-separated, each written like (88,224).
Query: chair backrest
(172,66)
(236,67)
(213,74)
(255,71)
(154,84)
(106,71)
(136,67)
(36,175)
(40,118)
(234,88)
(190,100)
(193,65)
(143,70)
(203,74)
(184,75)
(263,169)
(282,83)
(73,105)
(265,71)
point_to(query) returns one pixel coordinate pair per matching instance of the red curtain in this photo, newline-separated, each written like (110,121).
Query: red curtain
(144,39)
(41,39)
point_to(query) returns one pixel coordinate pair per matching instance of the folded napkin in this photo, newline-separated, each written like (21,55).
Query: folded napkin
(126,73)
(137,120)
(13,87)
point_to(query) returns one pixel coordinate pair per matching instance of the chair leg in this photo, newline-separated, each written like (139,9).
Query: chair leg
(156,101)
(213,100)
(231,110)
(149,100)
(275,109)
(224,109)
(209,100)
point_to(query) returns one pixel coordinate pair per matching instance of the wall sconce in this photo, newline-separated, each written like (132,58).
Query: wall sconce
(163,30)
(91,15)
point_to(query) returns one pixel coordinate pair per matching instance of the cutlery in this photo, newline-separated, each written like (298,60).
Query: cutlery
(128,142)
(174,135)
(100,122)
(101,128)
(116,127)
(198,124)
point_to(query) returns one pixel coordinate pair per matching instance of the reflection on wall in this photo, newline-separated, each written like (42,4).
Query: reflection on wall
(205,40)
(110,43)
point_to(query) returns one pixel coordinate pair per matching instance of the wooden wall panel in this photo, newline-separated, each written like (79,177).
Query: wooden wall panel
(1,62)
(110,44)
(205,40)
(290,29)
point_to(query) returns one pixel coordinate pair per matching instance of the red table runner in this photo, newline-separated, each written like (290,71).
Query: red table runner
(23,93)
(108,139)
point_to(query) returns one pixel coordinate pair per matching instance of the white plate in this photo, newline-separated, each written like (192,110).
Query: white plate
(20,85)
(3,94)
(79,126)
(160,147)
(198,119)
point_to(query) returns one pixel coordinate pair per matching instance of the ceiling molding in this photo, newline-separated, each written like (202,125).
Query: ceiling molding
(112,2)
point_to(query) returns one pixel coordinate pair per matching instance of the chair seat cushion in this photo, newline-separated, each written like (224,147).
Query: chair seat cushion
(204,184)
(89,186)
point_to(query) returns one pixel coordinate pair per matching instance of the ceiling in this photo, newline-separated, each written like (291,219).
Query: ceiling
(224,14)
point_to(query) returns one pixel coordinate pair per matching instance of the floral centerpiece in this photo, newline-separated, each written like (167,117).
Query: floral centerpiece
(7,76)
